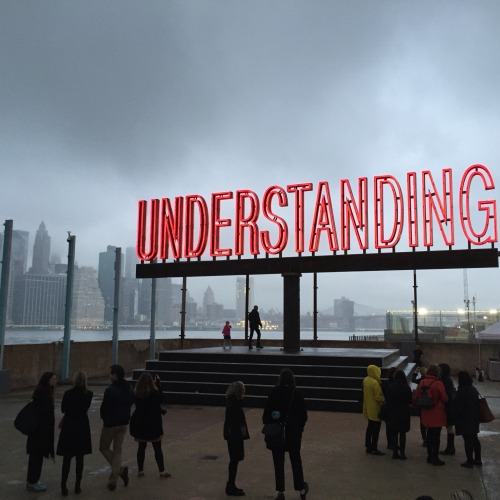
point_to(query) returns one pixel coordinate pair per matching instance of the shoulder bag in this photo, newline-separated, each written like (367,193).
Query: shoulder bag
(274,433)
(26,420)
(485,414)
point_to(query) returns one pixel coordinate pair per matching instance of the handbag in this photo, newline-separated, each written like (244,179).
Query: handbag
(274,435)
(485,414)
(274,432)
(26,420)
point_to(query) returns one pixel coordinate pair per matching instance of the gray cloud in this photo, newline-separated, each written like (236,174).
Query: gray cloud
(105,103)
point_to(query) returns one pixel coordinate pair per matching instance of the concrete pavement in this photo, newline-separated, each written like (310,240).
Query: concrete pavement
(335,463)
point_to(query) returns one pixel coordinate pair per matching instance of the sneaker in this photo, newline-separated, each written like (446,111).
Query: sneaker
(260,347)
(477,462)
(39,487)
(467,465)
(165,475)
(124,475)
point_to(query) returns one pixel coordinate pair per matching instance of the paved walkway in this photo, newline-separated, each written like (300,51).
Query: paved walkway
(335,463)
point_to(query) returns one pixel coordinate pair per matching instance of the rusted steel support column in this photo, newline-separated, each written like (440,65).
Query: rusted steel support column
(291,312)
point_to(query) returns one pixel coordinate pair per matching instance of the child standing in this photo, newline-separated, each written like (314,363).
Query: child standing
(226,331)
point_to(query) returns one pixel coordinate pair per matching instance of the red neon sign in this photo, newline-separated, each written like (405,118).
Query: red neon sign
(185,227)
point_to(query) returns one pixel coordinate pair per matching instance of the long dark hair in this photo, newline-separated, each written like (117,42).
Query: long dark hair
(464,378)
(287,378)
(400,377)
(44,387)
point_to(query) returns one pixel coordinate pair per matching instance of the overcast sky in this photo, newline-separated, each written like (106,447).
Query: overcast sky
(107,102)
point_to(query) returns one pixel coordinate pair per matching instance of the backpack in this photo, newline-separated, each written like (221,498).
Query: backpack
(425,400)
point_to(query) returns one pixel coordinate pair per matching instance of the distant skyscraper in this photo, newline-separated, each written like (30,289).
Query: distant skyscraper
(18,263)
(106,280)
(241,295)
(39,299)
(88,304)
(343,310)
(130,262)
(41,251)
(208,300)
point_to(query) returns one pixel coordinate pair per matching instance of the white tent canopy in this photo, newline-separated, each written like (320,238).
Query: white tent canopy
(490,333)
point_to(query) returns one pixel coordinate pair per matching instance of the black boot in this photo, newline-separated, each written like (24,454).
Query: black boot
(233,491)
(450,445)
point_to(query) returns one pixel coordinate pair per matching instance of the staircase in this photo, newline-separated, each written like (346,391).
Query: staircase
(329,379)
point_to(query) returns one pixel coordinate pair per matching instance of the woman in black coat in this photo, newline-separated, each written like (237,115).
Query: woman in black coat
(40,442)
(235,432)
(449,387)
(398,398)
(74,439)
(146,424)
(466,412)
(286,405)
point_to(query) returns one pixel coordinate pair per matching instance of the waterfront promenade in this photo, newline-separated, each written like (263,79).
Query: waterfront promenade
(335,463)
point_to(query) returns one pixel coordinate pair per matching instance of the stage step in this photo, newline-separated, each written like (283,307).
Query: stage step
(329,379)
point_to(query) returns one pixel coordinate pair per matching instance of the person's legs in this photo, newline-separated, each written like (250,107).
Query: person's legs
(115,435)
(469,447)
(477,451)
(375,434)
(433,441)
(141,455)
(159,456)
(105,441)
(368,437)
(392,441)
(66,465)
(79,473)
(250,338)
(450,441)
(258,337)
(232,471)
(279,469)
(423,433)
(402,445)
(297,470)
(35,462)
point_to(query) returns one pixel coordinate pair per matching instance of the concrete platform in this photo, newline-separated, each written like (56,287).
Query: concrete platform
(335,463)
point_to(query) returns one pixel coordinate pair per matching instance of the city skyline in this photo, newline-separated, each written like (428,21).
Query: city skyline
(107,103)
(198,286)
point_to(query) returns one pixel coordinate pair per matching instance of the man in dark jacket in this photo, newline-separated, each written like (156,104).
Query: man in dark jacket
(115,414)
(255,326)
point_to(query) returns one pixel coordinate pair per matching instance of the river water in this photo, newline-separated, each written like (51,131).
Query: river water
(16,337)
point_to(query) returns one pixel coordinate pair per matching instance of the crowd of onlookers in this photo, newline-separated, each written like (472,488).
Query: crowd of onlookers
(435,399)
(285,410)
(431,394)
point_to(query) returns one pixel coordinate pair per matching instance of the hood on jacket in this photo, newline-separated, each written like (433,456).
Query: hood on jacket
(374,371)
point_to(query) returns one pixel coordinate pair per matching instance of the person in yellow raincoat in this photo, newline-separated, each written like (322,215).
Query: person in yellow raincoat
(373,398)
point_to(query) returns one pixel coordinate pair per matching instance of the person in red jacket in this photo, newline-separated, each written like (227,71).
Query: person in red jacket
(433,418)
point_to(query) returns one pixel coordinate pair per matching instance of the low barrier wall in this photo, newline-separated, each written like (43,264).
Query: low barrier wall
(26,362)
